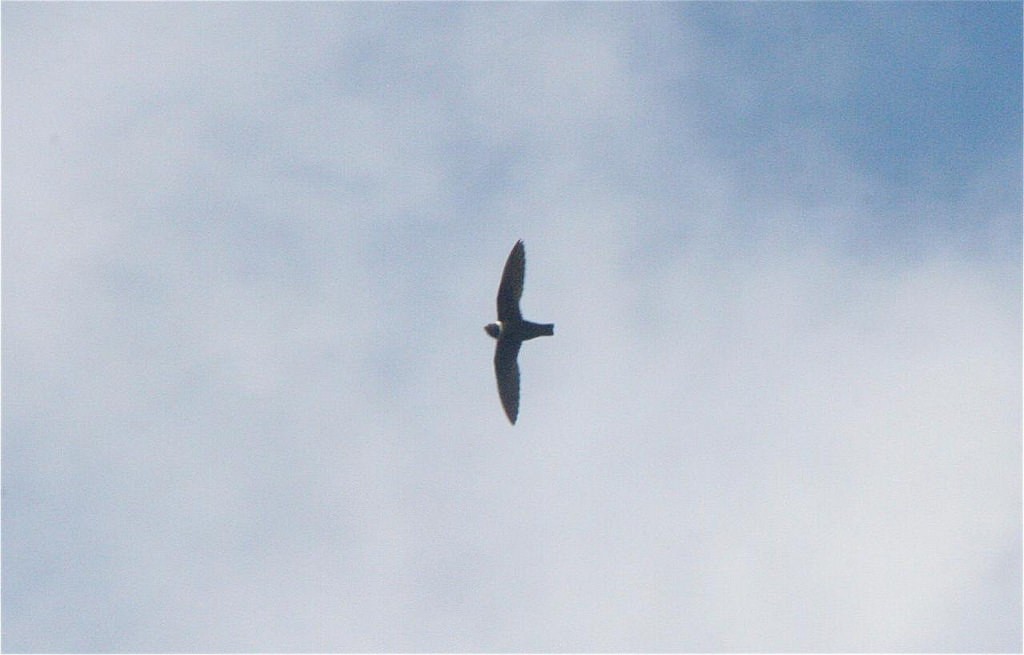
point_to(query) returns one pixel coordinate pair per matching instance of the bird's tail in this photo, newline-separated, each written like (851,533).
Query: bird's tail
(539,330)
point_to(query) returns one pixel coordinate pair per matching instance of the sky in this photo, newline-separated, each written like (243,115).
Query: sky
(248,251)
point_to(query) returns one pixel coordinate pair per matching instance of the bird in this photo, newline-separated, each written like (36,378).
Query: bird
(511,330)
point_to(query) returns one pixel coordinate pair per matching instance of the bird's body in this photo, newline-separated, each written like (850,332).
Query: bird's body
(522,330)
(511,330)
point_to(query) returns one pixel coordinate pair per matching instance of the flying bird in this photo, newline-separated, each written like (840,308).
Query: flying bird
(511,330)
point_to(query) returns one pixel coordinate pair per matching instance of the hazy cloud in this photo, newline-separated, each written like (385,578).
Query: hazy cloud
(249,251)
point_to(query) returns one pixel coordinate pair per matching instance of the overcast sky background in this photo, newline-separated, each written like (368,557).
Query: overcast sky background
(248,252)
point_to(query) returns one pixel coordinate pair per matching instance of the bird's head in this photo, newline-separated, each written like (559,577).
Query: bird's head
(493,329)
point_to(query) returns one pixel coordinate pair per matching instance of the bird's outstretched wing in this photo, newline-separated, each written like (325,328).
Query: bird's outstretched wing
(511,288)
(506,370)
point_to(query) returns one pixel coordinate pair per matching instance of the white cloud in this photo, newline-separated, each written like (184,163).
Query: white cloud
(249,405)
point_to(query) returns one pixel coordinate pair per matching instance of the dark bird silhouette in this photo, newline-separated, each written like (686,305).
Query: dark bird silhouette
(511,330)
